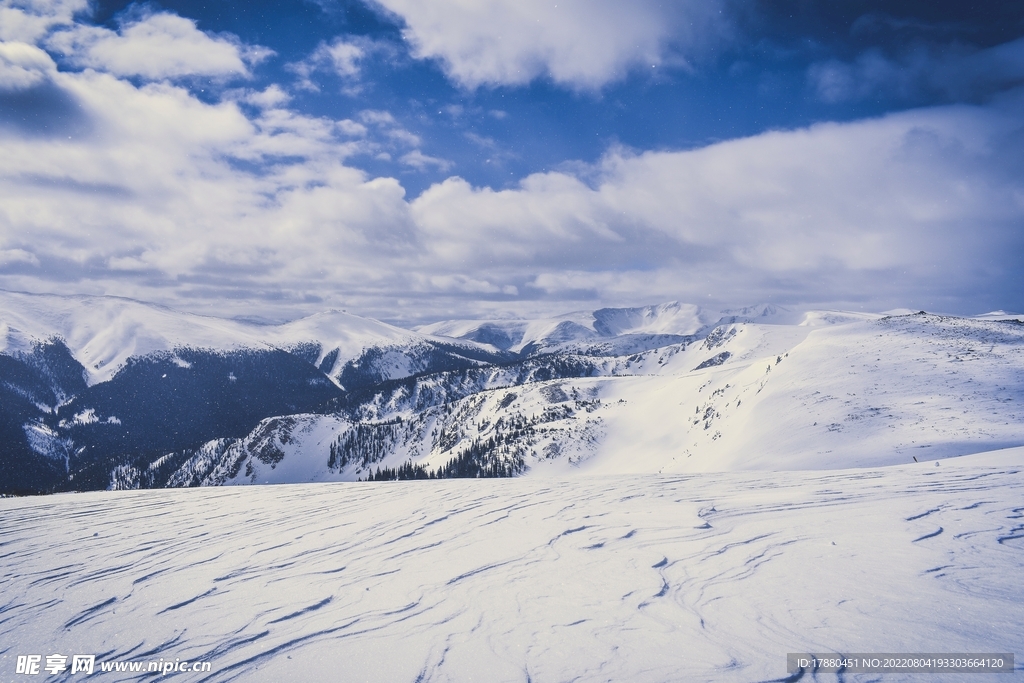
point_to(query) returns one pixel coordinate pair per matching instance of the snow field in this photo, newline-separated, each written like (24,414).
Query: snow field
(628,578)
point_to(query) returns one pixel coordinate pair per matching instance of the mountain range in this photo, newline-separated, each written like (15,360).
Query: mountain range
(104,392)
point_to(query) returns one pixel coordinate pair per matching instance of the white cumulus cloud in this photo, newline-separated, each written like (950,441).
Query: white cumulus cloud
(156,46)
(582,44)
(342,56)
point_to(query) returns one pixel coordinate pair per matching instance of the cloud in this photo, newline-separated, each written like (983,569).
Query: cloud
(468,285)
(198,193)
(271,97)
(192,202)
(404,137)
(156,46)
(581,44)
(245,205)
(350,127)
(421,161)
(10,256)
(23,66)
(481,141)
(886,207)
(376,117)
(954,72)
(343,57)
(384,122)
(29,20)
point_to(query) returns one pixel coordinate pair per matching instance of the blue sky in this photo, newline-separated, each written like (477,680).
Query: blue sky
(414,161)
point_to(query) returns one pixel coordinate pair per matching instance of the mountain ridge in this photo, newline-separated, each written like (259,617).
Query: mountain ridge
(662,388)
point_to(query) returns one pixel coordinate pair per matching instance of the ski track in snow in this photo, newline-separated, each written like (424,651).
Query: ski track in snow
(632,578)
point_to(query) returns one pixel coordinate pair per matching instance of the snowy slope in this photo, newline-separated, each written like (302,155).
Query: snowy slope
(707,577)
(851,394)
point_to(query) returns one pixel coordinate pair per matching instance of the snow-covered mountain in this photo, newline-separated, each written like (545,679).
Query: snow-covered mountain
(103,333)
(581,330)
(87,382)
(607,331)
(183,400)
(839,390)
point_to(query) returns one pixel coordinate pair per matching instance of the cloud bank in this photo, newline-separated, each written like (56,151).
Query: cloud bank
(243,205)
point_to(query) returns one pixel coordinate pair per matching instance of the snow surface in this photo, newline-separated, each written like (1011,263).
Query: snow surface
(701,577)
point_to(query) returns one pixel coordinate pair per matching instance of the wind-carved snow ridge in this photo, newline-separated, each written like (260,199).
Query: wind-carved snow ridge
(629,578)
